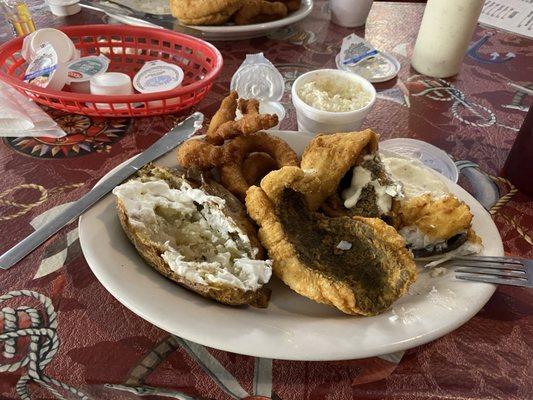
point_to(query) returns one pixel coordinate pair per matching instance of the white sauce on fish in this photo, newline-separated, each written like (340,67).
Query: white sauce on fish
(361,177)
(416,178)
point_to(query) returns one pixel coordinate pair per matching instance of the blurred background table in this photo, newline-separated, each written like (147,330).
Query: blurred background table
(87,344)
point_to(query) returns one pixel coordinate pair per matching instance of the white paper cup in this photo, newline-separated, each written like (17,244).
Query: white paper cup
(315,121)
(63,8)
(350,13)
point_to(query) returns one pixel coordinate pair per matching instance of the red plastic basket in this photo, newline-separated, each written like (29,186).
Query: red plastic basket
(128,48)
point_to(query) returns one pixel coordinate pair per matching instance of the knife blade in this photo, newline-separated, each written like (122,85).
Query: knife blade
(176,136)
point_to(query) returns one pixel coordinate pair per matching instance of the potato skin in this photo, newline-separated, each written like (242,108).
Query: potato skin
(151,251)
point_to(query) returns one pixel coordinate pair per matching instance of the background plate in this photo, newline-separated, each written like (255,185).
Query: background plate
(292,327)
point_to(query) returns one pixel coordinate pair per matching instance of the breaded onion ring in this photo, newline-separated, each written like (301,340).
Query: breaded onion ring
(231,174)
(256,166)
(200,154)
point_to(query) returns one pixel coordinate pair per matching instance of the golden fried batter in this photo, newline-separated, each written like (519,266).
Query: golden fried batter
(225,113)
(258,11)
(330,157)
(292,5)
(359,265)
(439,218)
(205,12)
(256,166)
(231,173)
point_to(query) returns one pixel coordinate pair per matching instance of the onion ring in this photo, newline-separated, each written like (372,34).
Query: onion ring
(200,154)
(231,174)
(256,166)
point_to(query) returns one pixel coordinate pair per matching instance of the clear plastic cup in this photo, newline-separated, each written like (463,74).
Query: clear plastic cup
(313,120)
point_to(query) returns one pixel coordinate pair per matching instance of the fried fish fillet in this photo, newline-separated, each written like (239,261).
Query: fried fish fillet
(258,11)
(358,265)
(433,226)
(205,12)
(331,157)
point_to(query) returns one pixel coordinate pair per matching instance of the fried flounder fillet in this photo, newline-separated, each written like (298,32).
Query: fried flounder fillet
(205,12)
(444,220)
(330,157)
(358,265)
(258,11)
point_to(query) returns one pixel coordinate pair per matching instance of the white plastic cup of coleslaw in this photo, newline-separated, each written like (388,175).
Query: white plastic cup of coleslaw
(331,101)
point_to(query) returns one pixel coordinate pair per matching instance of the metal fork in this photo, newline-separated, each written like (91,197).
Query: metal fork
(498,270)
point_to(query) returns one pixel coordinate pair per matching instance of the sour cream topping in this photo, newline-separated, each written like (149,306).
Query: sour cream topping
(200,242)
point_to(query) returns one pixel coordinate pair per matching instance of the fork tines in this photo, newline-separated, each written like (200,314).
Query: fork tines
(496,270)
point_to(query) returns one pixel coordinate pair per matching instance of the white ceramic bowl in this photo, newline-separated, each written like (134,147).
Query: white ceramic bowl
(313,120)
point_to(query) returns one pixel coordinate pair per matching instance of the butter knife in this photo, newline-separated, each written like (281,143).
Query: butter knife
(176,136)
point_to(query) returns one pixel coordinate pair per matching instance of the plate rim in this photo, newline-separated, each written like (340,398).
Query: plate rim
(383,348)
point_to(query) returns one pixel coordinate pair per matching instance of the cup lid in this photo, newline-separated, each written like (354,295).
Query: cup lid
(258,78)
(158,76)
(429,155)
(59,40)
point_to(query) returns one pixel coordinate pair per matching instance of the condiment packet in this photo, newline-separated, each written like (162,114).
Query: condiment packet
(355,49)
(19,116)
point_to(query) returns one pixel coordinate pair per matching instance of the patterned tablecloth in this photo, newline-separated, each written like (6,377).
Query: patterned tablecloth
(65,336)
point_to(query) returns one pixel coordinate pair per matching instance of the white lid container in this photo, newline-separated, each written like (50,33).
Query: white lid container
(45,70)
(111,84)
(62,44)
(257,78)
(313,120)
(158,76)
(383,67)
(63,8)
(82,70)
(429,155)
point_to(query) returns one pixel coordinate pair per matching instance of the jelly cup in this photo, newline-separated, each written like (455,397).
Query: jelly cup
(313,120)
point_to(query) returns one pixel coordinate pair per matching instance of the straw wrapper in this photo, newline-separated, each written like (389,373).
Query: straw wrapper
(19,116)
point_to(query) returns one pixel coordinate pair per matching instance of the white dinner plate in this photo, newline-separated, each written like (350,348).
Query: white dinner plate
(292,327)
(239,32)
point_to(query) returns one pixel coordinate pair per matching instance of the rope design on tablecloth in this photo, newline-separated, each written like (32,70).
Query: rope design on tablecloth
(518,228)
(42,348)
(65,187)
(504,199)
(441,90)
(24,208)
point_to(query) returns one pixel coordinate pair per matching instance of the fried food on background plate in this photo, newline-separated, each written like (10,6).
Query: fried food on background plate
(292,5)
(205,12)
(258,11)
(358,265)
(193,231)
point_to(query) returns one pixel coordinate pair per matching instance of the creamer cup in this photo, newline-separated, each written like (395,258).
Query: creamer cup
(158,76)
(111,84)
(82,70)
(63,8)
(64,47)
(45,70)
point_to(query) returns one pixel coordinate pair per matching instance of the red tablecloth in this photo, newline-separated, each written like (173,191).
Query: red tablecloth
(84,343)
